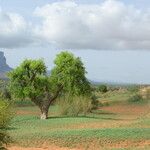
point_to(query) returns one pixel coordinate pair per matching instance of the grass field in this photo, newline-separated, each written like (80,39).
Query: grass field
(114,97)
(121,126)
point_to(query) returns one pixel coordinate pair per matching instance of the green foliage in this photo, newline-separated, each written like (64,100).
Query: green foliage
(4,92)
(27,79)
(73,106)
(30,81)
(3,84)
(133,89)
(5,117)
(95,103)
(93,88)
(23,103)
(135,98)
(5,113)
(102,88)
(113,97)
(69,72)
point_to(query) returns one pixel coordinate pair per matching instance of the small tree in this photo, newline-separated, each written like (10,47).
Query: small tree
(30,80)
(102,88)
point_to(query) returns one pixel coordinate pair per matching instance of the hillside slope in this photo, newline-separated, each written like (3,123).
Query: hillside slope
(4,68)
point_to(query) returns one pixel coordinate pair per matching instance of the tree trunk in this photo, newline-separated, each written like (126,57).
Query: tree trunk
(44,113)
(44,106)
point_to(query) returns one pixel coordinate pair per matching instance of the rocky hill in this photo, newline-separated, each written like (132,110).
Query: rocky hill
(4,68)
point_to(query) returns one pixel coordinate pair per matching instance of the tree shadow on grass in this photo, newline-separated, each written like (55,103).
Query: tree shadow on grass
(71,117)
(84,117)
(11,128)
(103,113)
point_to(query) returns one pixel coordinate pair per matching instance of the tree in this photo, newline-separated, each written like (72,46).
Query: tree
(102,88)
(30,80)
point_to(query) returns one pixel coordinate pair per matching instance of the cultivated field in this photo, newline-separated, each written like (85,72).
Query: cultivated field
(116,125)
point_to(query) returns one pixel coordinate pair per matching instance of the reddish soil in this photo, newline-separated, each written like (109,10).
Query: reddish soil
(45,148)
(94,145)
(24,112)
(129,110)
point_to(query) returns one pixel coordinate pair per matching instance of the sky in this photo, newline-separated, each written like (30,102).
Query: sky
(112,37)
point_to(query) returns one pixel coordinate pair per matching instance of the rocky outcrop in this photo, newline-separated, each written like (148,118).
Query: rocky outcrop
(4,68)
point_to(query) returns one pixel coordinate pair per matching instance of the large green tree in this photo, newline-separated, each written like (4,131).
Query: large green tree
(30,80)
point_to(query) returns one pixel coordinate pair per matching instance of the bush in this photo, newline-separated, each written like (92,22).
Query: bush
(73,106)
(93,88)
(133,89)
(23,103)
(6,94)
(145,93)
(135,98)
(4,91)
(5,117)
(95,101)
(102,88)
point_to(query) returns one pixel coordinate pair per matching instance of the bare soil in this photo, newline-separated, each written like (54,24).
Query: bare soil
(52,147)
(93,146)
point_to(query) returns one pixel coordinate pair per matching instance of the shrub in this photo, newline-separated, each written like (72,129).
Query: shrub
(93,88)
(145,93)
(73,106)
(4,91)
(95,101)
(133,89)
(135,98)
(102,88)
(6,94)
(5,117)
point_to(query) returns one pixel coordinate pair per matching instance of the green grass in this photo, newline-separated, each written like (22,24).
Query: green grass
(118,97)
(113,97)
(55,128)
(63,132)
(27,128)
(70,132)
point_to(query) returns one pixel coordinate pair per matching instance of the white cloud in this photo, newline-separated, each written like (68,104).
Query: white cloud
(109,25)
(14,31)
(70,25)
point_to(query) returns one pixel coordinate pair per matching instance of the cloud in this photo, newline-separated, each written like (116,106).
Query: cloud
(108,25)
(14,31)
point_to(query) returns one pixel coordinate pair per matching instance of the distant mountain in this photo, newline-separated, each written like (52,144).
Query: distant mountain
(4,68)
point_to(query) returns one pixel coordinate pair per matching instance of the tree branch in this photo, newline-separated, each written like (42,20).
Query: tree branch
(56,94)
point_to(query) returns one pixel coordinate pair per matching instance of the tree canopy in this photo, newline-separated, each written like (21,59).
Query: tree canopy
(70,72)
